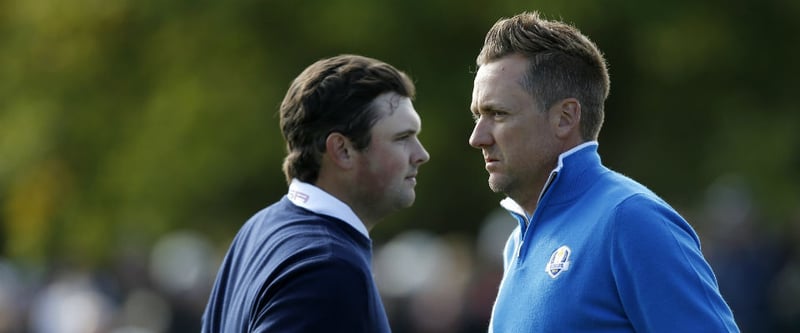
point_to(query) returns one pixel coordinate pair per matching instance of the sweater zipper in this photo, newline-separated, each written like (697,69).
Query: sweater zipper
(529,223)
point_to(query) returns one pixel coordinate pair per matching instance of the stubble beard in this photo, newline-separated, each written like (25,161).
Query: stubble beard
(499,184)
(392,201)
(405,197)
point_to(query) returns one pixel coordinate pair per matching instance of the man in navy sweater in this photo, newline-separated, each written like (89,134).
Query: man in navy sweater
(594,250)
(303,263)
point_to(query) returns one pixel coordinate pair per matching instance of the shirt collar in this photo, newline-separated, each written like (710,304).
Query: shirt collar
(313,198)
(572,151)
(511,205)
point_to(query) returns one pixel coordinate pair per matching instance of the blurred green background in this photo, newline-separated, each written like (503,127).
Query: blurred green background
(125,121)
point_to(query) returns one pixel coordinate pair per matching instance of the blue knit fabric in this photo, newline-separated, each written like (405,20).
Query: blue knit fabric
(602,253)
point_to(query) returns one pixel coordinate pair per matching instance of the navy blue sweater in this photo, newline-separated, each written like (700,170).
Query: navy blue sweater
(291,270)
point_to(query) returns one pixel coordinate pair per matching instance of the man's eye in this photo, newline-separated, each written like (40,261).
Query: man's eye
(403,137)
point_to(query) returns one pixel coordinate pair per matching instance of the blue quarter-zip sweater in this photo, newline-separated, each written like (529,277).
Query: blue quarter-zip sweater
(602,253)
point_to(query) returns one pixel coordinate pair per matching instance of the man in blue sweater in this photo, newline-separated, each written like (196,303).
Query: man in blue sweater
(303,263)
(594,250)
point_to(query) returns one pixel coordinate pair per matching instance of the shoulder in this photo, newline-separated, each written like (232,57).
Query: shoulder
(337,271)
(284,221)
(644,222)
(276,240)
(627,197)
(637,213)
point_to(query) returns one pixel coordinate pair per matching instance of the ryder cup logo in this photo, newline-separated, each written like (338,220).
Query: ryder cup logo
(559,261)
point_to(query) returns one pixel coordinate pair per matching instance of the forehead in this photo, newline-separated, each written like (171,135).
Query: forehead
(395,110)
(500,80)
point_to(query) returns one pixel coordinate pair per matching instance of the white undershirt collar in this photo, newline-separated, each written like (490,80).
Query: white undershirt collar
(313,198)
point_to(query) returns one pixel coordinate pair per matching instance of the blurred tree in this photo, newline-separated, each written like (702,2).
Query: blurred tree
(122,120)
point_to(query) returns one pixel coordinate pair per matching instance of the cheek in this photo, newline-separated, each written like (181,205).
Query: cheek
(522,139)
(512,141)
(386,165)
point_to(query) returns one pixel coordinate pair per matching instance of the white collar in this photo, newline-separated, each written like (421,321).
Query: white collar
(313,198)
(572,151)
(511,205)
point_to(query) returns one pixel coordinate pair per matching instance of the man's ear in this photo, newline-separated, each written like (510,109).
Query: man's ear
(567,118)
(340,150)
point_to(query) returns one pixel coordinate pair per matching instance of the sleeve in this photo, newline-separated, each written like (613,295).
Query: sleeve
(323,296)
(664,282)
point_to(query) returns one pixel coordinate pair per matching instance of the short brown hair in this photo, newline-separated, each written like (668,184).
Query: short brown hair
(563,63)
(334,95)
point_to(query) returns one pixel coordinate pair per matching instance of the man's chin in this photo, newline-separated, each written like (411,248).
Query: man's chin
(408,200)
(496,185)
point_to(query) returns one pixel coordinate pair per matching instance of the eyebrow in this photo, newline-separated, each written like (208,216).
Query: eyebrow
(406,132)
(489,106)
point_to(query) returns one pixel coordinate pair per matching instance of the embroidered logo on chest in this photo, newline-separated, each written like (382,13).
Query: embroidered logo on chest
(559,261)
